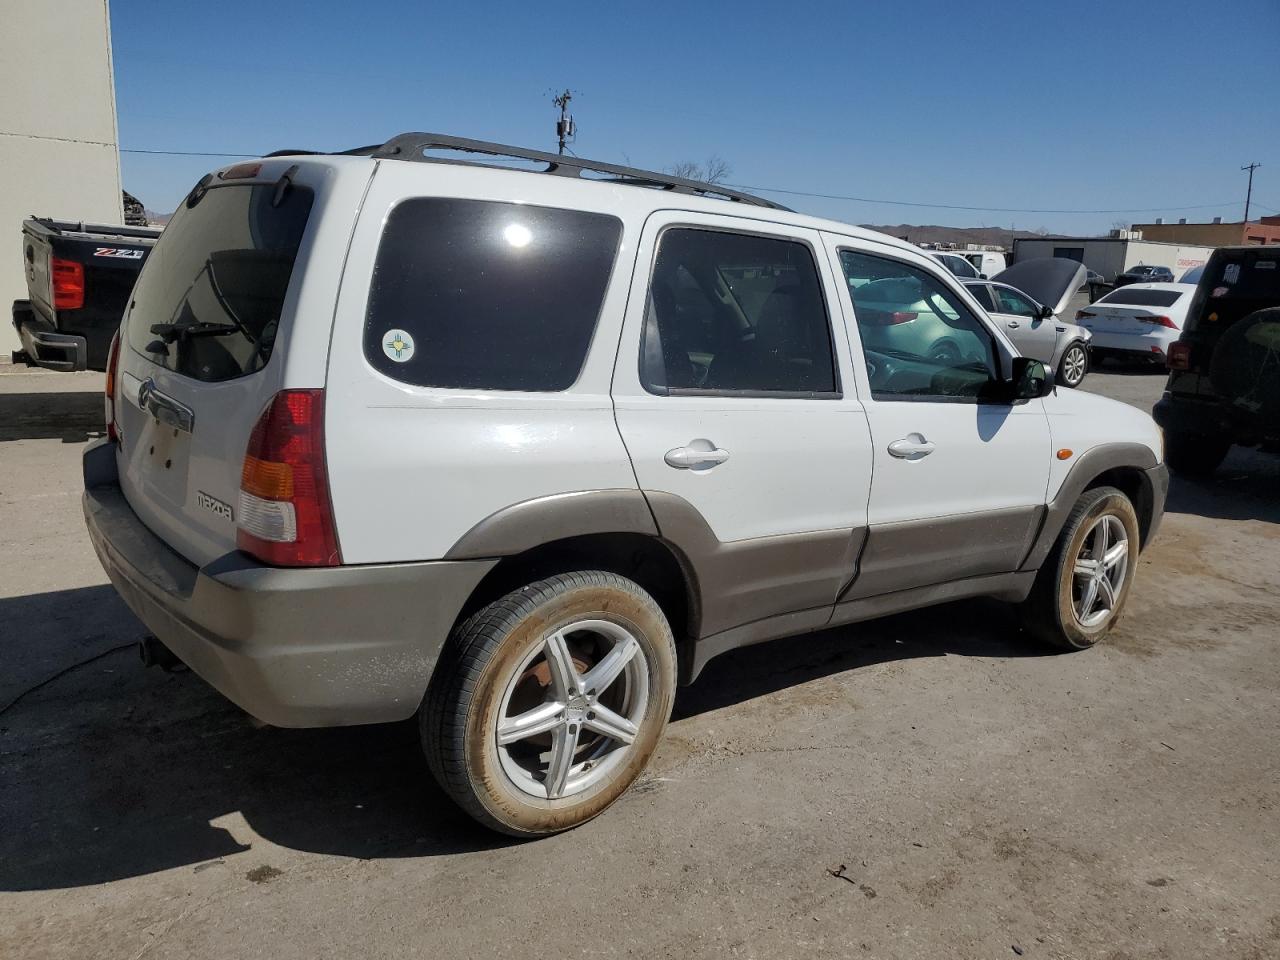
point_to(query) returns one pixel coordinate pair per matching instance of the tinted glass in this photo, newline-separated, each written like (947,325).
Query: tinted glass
(208,302)
(1010,301)
(729,313)
(919,340)
(1128,297)
(497,296)
(982,293)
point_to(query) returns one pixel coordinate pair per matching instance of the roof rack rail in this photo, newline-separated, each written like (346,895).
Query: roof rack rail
(412,146)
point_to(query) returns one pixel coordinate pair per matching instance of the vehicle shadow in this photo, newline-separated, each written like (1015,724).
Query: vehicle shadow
(113,771)
(1245,487)
(72,417)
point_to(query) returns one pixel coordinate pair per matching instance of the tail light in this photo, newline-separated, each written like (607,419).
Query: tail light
(1160,321)
(1084,315)
(286,517)
(1179,356)
(113,359)
(886,318)
(67,279)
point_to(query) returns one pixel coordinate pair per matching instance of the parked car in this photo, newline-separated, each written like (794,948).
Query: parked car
(957,264)
(1144,273)
(1035,327)
(517,452)
(78,280)
(1138,321)
(1224,379)
(1092,276)
(1192,275)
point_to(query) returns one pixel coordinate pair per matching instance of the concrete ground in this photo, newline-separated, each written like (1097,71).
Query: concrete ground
(931,785)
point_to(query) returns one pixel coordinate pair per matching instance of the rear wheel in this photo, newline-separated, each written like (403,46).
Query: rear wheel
(1080,591)
(1194,455)
(1073,365)
(549,702)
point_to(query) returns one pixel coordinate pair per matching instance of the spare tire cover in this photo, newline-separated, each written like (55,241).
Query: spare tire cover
(1245,369)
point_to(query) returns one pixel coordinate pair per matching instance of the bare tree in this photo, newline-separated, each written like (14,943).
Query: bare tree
(715,170)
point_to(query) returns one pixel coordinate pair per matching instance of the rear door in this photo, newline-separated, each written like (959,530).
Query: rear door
(204,346)
(734,398)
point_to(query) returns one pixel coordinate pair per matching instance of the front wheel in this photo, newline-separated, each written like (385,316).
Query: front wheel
(1073,365)
(548,702)
(1080,591)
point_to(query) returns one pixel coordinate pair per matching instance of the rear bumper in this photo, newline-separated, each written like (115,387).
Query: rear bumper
(1153,344)
(1209,417)
(44,346)
(294,647)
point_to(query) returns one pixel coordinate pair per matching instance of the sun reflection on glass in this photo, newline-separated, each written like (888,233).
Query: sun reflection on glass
(517,234)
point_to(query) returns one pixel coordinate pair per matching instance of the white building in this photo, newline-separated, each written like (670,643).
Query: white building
(59,152)
(1115,254)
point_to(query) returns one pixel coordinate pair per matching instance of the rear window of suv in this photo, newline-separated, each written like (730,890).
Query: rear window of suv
(208,302)
(1124,297)
(477,294)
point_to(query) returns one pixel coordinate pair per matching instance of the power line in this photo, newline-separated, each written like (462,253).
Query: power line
(191,153)
(804,193)
(953,206)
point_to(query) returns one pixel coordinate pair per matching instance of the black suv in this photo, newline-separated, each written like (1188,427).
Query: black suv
(1144,273)
(1224,380)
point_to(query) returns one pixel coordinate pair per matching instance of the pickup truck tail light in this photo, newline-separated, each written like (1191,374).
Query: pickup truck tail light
(1179,356)
(113,360)
(66,277)
(887,318)
(286,516)
(1160,321)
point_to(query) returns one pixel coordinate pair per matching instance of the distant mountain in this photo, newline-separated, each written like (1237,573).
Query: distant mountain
(159,219)
(914,233)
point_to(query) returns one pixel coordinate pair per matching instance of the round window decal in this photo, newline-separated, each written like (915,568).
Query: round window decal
(398,345)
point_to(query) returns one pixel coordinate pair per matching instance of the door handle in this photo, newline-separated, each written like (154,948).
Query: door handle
(698,454)
(911,447)
(1013,324)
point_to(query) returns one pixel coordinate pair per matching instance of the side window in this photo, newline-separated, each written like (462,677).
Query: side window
(484,295)
(732,313)
(919,340)
(1011,301)
(982,293)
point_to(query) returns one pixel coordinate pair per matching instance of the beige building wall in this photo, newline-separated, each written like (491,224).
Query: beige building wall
(59,155)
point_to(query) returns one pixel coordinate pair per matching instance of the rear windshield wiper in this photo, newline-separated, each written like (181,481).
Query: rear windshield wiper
(170,332)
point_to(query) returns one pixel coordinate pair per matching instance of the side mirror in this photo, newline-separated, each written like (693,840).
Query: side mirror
(982,276)
(1046,312)
(1030,379)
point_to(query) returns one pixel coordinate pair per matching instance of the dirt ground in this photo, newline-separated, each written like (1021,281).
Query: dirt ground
(930,785)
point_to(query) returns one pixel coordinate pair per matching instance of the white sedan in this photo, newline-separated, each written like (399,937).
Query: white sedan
(1140,319)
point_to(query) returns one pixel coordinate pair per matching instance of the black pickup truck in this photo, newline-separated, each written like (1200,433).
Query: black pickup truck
(79,276)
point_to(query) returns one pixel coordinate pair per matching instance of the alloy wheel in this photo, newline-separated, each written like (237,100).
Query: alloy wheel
(572,709)
(1073,365)
(1099,571)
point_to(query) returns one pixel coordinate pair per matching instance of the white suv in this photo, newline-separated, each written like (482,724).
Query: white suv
(396,434)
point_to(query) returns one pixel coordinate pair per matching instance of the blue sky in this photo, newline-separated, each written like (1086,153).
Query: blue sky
(1038,106)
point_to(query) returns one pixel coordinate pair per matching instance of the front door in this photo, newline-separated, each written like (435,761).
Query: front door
(959,482)
(1033,335)
(735,402)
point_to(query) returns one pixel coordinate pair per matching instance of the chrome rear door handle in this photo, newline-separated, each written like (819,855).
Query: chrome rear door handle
(911,447)
(696,455)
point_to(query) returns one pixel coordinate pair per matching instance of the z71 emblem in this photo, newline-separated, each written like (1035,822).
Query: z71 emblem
(206,502)
(120,253)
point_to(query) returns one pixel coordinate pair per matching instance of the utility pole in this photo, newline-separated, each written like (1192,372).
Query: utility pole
(1249,195)
(565,129)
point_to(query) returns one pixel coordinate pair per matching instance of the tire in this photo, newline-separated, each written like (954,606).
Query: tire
(1194,455)
(1052,611)
(1073,366)
(509,660)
